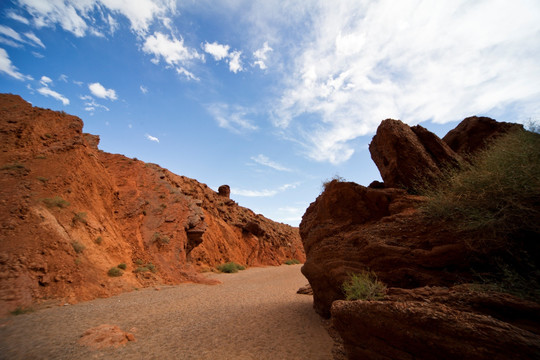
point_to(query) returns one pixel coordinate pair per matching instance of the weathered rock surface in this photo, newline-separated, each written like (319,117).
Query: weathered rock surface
(474,132)
(105,336)
(439,323)
(69,212)
(406,155)
(351,228)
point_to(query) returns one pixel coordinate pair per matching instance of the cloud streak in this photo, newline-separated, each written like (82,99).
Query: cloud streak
(263,193)
(233,118)
(366,61)
(8,68)
(151,138)
(264,160)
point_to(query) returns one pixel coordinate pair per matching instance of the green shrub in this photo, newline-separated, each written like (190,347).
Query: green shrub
(21,310)
(230,267)
(363,286)
(141,269)
(42,179)
(494,204)
(115,272)
(151,267)
(14,166)
(139,262)
(292,262)
(78,247)
(162,239)
(56,201)
(122,266)
(335,178)
(79,217)
(99,240)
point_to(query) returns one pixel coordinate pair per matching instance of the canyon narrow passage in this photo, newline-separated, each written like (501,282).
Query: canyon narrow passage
(253,314)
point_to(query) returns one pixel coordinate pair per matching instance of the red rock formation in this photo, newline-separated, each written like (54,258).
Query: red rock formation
(351,228)
(406,155)
(439,323)
(225,191)
(474,132)
(69,212)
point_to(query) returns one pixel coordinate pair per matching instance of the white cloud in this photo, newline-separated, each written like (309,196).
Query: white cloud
(99,90)
(182,71)
(45,91)
(171,50)
(264,160)
(218,51)
(13,15)
(34,39)
(9,32)
(7,67)
(38,55)
(63,77)
(144,89)
(151,138)
(77,16)
(254,193)
(364,61)
(65,13)
(91,105)
(262,193)
(231,118)
(260,56)
(45,80)
(235,64)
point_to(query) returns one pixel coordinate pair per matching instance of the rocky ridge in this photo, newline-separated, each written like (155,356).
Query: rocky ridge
(69,212)
(424,315)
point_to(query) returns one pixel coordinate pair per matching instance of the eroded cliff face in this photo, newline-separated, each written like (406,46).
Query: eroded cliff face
(424,315)
(69,212)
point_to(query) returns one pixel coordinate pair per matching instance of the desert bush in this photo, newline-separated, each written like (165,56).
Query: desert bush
(13,166)
(292,262)
(141,269)
(21,310)
(79,217)
(99,240)
(335,178)
(115,272)
(78,247)
(494,203)
(139,262)
(56,201)
(230,267)
(162,239)
(363,286)
(42,179)
(122,266)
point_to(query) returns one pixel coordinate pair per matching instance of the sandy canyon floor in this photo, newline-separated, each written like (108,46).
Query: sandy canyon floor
(253,314)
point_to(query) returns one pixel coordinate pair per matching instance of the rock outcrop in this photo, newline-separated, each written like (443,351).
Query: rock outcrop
(439,323)
(70,212)
(350,228)
(474,133)
(406,156)
(424,315)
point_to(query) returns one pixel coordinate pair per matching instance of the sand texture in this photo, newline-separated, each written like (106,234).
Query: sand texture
(253,314)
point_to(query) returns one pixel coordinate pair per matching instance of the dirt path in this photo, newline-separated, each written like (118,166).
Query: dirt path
(254,314)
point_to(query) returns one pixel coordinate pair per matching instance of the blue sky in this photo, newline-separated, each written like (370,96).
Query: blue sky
(270,97)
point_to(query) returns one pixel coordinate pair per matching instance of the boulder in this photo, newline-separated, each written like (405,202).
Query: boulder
(350,228)
(439,323)
(225,191)
(474,132)
(406,156)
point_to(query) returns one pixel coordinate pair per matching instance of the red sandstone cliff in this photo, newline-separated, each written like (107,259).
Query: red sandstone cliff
(69,212)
